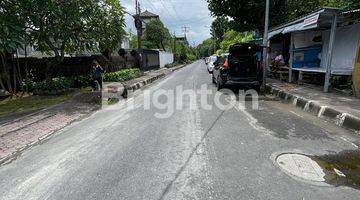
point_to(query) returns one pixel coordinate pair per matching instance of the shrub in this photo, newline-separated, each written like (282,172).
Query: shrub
(82,81)
(122,75)
(54,86)
(28,85)
(174,64)
(191,57)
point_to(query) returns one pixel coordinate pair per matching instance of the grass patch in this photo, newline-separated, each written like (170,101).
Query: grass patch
(31,102)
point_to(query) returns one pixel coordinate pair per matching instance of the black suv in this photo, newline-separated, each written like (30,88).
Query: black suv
(241,67)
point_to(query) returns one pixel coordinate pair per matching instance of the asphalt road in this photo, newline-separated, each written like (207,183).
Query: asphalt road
(196,153)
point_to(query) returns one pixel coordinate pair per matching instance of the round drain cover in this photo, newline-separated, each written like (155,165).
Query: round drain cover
(301,166)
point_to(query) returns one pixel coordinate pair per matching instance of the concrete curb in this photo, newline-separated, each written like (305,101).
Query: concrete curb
(339,117)
(140,84)
(145,82)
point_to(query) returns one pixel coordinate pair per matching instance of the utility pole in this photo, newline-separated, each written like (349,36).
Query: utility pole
(265,43)
(185,30)
(174,46)
(139,26)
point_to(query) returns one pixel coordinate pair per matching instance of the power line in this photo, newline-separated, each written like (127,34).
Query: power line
(152,6)
(166,10)
(172,6)
(188,22)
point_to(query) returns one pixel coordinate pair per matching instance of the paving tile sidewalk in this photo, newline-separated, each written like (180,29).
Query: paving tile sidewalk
(20,132)
(342,109)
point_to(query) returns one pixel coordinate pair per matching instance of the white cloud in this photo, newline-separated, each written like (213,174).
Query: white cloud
(175,14)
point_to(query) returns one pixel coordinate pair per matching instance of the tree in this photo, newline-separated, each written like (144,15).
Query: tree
(157,34)
(231,37)
(218,28)
(182,53)
(11,38)
(133,42)
(248,15)
(206,48)
(70,26)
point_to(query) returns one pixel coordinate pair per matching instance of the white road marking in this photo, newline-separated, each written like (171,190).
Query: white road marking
(348,141)
(297,114)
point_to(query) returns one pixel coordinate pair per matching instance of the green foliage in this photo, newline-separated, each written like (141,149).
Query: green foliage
(70,26)
(82,81)
(62,84)
(190,57)
(157,34)
(133,42)
(57,84)
(12,35)
(174,64)
(218,28)
(31,102)
(122,75)
(54,86)
(182,54)
(206,48)
(29,85)
(11,27)
(231,37)
(248,15)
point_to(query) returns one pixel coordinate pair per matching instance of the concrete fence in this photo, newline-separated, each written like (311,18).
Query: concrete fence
(165,58)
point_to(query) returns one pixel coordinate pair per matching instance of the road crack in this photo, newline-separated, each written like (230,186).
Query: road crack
(194,150)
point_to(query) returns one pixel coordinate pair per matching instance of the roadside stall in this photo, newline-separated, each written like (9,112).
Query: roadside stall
(324,42)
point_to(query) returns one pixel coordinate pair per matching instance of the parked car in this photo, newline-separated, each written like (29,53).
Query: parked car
(210,64)
(241,67)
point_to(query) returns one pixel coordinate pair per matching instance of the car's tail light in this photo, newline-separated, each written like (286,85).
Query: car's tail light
(226,64)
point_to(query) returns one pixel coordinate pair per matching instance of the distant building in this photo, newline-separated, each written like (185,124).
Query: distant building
(147,16)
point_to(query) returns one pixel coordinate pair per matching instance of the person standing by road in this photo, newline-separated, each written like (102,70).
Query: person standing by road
(96,74)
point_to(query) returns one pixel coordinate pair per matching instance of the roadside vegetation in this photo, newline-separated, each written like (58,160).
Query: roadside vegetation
(57,90)
(122,75)
(241,24)
(54,29)
(29,102)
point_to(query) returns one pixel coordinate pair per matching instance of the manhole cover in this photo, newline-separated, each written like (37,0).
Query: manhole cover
(301,166)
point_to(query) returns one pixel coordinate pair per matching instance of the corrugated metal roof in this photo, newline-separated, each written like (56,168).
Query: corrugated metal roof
(302,18)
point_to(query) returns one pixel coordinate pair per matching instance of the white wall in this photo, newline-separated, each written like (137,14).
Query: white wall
(345,48)
(165,58)
(125,44)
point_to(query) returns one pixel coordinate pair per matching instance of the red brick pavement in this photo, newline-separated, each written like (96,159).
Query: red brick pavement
(24,132)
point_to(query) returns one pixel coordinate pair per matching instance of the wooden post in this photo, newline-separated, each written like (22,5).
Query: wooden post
(329,53)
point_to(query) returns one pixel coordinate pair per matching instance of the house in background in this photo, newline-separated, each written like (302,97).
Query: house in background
(146,17)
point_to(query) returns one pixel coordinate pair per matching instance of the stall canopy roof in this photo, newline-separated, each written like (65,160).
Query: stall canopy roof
(321,19)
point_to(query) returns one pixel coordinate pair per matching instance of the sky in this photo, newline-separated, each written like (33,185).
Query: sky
(176,14)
